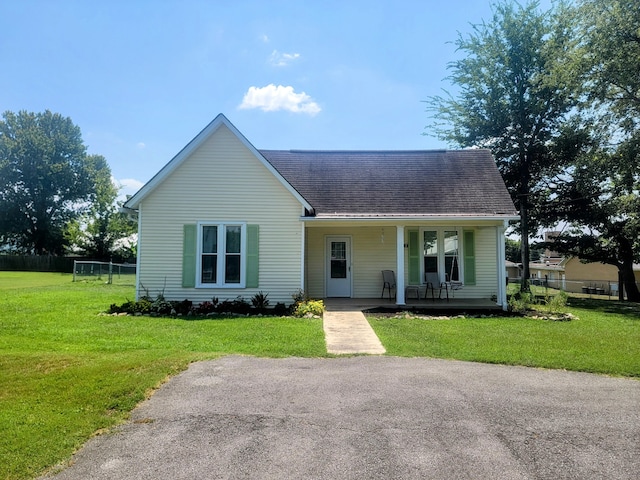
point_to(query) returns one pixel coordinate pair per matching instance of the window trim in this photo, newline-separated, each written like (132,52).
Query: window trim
(222,254)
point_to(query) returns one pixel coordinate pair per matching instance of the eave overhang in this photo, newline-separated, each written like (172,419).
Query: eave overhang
(395,218)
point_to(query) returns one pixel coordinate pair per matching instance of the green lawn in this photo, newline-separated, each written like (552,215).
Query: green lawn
(605,338)
(67,372)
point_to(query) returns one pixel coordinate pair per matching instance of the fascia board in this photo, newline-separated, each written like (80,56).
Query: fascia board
(411,218)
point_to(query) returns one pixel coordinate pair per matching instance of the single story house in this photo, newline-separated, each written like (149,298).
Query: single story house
(514,271)
(224,219)
(573,275)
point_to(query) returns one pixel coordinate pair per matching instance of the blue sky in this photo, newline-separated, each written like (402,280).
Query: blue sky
(142,78)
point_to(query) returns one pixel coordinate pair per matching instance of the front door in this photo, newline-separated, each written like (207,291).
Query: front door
(338,267)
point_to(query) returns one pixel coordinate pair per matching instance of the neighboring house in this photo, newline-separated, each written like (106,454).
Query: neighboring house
(223,219)
(514,271)
(573,275)
(550,272)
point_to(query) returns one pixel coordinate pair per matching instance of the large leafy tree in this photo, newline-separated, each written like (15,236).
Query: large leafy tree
(44,181)
(599,196)
(96,233)
(510,98)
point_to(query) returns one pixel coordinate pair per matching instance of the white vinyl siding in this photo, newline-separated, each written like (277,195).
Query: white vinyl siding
(221,181)
(486,264)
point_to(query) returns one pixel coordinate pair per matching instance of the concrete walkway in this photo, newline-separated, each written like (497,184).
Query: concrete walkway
(347,332)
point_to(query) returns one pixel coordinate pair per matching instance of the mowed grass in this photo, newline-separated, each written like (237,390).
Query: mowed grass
(66,372)
(605,338)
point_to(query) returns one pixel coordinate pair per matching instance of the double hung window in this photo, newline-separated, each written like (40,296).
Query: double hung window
(221,254)
(441,254)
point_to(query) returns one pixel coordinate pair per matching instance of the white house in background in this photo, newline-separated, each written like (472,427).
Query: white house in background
(224,219)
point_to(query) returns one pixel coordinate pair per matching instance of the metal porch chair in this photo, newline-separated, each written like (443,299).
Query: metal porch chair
(388,282)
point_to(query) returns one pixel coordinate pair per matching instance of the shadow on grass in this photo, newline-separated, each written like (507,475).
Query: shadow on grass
(628,309)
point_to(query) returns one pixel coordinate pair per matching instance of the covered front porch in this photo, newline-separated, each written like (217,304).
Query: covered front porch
(344,260)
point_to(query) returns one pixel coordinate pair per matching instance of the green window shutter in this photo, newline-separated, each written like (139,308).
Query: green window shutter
(253,260)
(189,247)
(469,257)
(414,257)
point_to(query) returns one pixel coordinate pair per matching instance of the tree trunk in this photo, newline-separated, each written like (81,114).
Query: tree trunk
(625,267)
(524,223)
(628,280)
(525,251)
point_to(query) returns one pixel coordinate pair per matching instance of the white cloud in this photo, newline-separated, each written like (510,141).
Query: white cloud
(273,98)
(128,186)
(141,145)
(264,38)
(279,59)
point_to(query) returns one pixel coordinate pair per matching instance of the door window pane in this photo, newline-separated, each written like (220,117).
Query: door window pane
(338,260)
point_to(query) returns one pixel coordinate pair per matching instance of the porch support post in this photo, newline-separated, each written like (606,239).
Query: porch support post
(303,254)
(400,265)
(502,266)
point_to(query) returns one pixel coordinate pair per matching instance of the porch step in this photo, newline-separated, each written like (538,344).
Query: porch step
(347,332)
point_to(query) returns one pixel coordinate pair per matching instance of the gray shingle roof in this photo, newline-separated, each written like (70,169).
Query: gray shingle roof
(433,182)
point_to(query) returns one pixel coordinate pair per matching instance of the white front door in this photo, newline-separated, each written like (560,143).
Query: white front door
(338,267)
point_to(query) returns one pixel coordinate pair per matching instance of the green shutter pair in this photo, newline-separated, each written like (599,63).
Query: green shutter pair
(469,257)
(189,256)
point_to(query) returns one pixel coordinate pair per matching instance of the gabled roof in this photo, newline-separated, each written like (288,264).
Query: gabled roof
(194,144)
(457,183)
(346,184)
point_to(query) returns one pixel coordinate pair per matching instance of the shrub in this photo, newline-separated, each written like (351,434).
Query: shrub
(142,306)
(240,306)
(299,296)
(183,308)
(309,307)
(557,303)
(206,308)
(521,302)
(260,301)
(160,306)
(281,309)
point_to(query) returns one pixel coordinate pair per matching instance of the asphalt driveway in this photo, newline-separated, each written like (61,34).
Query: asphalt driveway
(373,418)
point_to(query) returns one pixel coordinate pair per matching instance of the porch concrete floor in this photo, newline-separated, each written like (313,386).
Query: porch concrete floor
(454,304)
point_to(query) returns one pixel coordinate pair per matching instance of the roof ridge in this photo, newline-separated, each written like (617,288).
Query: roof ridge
(340,151)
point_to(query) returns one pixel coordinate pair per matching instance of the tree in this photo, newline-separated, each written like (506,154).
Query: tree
(598,195)
(513,101)
(512,250)
(44,181)
(95,233)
